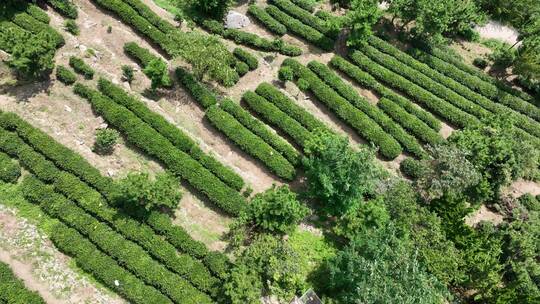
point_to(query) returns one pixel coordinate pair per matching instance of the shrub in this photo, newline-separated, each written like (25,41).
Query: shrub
(370,82)
(32,56)
(140,54)
(250,143)
(151,16)
(285,74)
(152,142)
(349,93)
(268,21)
(128,73)
(303,84)
(260,129)
(246,57)
(176,136)
(308,5)
(300,29)
(422,96)
(305,17)
(363,125)
(65,7)
(158,72)
(106,139)
(241,68)
(38,13)
(109,29)
(13,290)
(9,170)
(80,67)
(276,117)
(32,25)
(412,168)
(285,104)
(72,27)
(480,63)
(197,90)
(65,75)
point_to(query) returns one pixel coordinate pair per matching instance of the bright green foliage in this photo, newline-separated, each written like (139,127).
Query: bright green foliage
(127,73)
(360,19)
(72,27)
(65,75)
(277,210)
(286,73)
(243,286)
(527,63)
(9,170)
(268,21)
(158,73)
(246,57)
(412,168)
(370,214)
(519,13)
(241,68)
(337,176)
(137,189)
(106,139)
(12,290)
(65,8)
(379,266)
(81,67)
(32,56)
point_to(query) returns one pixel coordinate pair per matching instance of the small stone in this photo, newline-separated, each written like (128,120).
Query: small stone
(67,108)
(235,20)
(79,142)
(103,126)
(110,172)
(82,47)
(116,283)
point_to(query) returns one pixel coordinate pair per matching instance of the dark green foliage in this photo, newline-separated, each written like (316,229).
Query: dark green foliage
(149,140)
(12,290)
(361,217)
(304,31)
(243,286)
(176,136)
(215,9)
(286,73)
(308,5)
(158,72)
(241,68)
(34,26)
(140,54)
(65,75)
(268,21)
(9,170)
(285,104)
(106,139)
(128,73)
(260,129)
(81,67)
(65,7)
(136,189)
(433,103)
(412,168)
(32,56)
(72,27)
(386,123)
(275,117)
(360,20)
(362,124)
(480,63)
(246,57)
(130,255)
(197,90)
(150,15)
(39,14)
(370,82)
(252,40)
(305,17)
(337,176)
(250,143)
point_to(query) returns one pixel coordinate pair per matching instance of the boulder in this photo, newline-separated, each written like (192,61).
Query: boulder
(235,20)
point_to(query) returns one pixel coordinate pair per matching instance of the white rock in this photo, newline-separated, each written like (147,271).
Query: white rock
(82,47)
(116,283)
(235,20)
(110,172)
(79,142)
(103,126)
(67,108)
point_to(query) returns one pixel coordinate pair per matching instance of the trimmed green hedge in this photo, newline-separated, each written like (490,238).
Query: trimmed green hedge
(128,254)
(305,17)
(197,90)
(250,39)
(66,8)
(368,81)
(285,104)
(81,67)
(463,91)
(250,143)
(491,85)
(412,168)
(487,86)
(92,202)
(38,14)
(409,122)
(408,142)
(142,55)
(425,82)
(32,25)
(260,129)
(176,136)
(361,123)
(13,290)
(308,5)
(268,21)
(151,16)
(65,75)
(152,142)
(440,107)
(247,58)
(241,68)
(6,26)
(274,116)
(10,171)
(295,26)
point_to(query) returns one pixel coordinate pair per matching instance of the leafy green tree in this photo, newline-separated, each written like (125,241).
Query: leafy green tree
(379,266)
(212,8)
(371,214)
(337,176)
(32,55)
(158,73)
(527,61)
(243,285)
(360,19)
(138,190)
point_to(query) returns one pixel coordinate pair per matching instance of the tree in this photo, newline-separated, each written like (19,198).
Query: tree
(32,55)
(360,19)
(137,190)
(371,214)
(158,73)
(336,175)
(527,61)
(379,266)
(105,140)
(243,285)
(212,8)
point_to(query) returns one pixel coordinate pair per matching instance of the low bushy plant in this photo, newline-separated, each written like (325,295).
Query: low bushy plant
(81,67)
(106,139)
(72,27)
(65,75)
(10,171)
